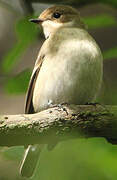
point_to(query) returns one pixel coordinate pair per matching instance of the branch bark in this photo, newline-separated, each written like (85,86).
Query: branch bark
(79,3)
(57,124)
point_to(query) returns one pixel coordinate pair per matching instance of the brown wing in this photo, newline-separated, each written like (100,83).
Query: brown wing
(29,109)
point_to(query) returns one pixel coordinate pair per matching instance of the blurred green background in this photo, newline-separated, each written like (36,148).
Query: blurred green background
(20,41)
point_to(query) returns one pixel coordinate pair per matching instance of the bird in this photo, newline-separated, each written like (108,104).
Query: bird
(68,69)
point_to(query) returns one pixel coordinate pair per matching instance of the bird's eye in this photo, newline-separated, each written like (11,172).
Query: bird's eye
(56,15)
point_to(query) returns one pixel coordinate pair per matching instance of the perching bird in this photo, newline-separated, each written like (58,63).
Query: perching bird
(68,69)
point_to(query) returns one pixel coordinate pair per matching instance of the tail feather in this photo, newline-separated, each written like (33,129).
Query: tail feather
(29,162)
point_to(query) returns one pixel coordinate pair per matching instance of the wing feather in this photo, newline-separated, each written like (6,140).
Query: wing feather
(29,109)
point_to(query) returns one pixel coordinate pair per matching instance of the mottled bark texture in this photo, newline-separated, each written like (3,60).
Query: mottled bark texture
(58,124)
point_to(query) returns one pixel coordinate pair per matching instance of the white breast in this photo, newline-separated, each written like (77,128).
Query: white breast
(71,73)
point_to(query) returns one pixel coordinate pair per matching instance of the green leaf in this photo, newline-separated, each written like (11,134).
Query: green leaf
(14,153)
(18,84)
(13,57)
(27,33)
(103,20)
(110,54)
(80,159)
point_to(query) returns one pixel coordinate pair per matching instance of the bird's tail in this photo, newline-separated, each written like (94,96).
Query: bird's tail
(30,160)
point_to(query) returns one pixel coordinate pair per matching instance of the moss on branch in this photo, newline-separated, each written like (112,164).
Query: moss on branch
(57,124)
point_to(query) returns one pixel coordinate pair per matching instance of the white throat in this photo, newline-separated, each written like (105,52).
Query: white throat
(50,26)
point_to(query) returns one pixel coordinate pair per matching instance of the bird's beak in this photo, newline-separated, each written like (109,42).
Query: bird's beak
(37,21)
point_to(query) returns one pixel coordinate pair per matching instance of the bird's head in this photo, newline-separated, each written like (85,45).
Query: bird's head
(58,16)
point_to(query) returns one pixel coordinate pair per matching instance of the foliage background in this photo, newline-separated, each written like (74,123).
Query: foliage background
(20,41)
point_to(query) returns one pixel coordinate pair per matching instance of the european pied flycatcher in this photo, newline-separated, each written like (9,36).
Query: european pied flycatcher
(68,69)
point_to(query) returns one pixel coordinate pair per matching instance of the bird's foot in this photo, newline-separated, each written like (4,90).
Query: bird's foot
(60,106)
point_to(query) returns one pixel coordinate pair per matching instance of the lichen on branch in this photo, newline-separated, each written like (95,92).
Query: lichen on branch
(58,124)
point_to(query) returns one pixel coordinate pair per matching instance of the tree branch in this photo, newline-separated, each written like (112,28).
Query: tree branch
(26,6)
(79,3)
(57,124)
